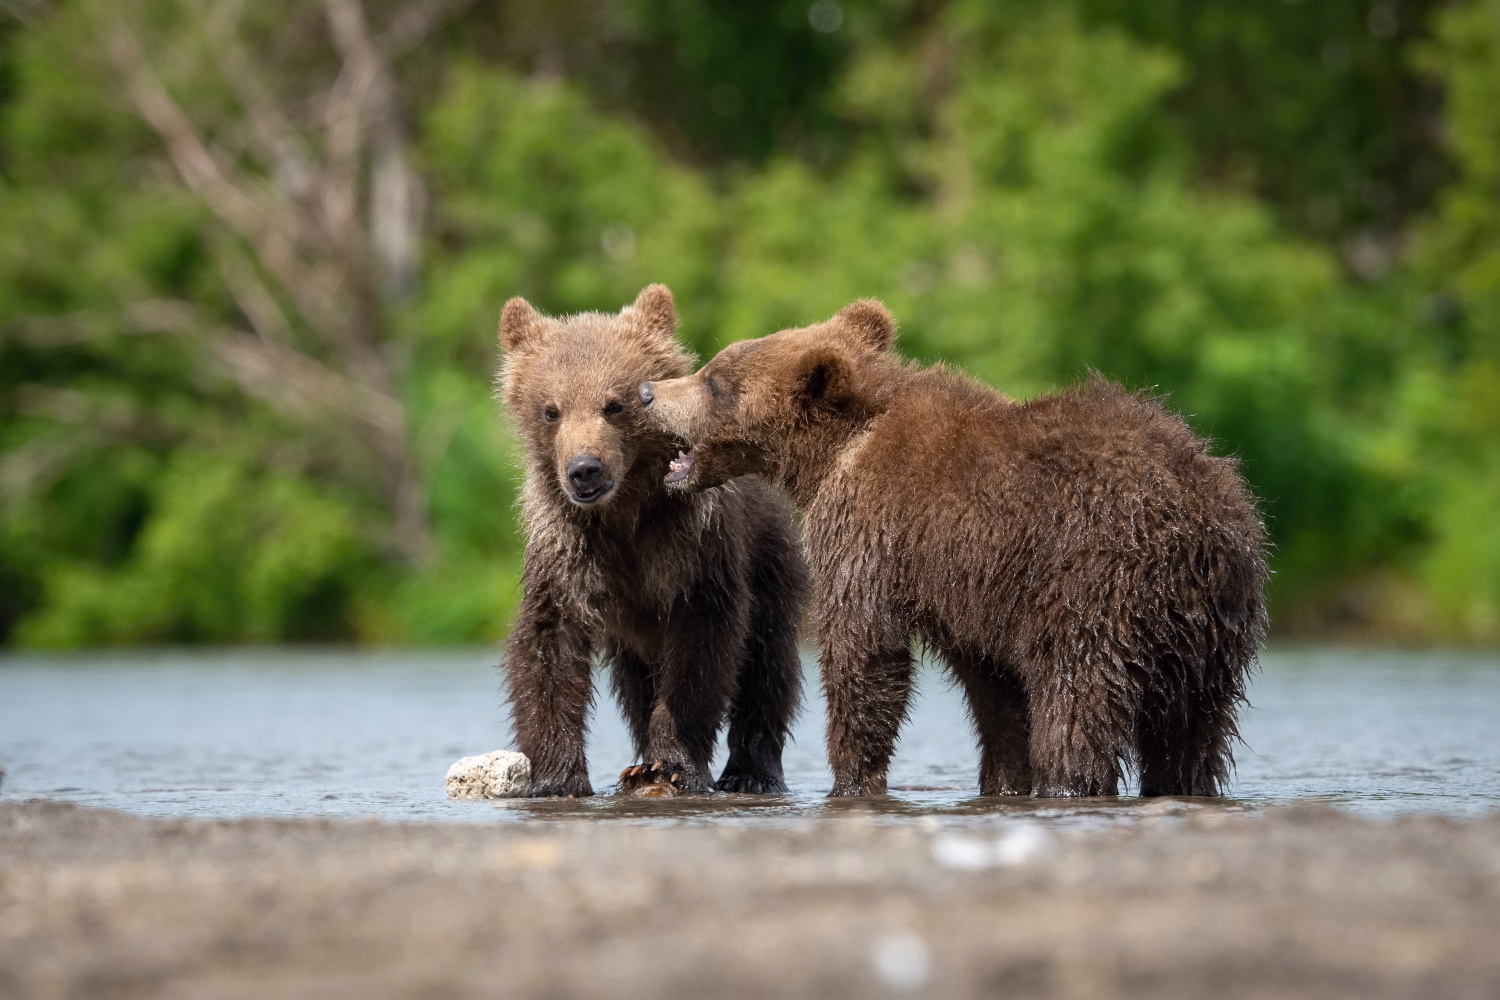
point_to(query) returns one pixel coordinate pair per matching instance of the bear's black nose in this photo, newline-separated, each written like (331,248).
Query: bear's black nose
(648,396)
(584,472)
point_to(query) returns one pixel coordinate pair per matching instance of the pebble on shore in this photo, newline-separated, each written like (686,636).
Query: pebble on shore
(503,774)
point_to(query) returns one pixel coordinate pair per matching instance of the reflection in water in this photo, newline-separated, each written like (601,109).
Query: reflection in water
(293,734)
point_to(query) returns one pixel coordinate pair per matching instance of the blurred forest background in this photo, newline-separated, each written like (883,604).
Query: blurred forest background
(252,256)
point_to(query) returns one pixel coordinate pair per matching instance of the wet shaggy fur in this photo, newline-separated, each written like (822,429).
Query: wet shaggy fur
(692,600)
(1089,573)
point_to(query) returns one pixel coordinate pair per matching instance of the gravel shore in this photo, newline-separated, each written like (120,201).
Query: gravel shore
(1181,902)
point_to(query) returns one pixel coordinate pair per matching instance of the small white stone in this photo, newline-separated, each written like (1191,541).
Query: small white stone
(902,960)
(504,774)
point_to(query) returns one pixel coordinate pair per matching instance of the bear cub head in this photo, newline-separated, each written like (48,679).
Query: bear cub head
(571,386)
(742,412)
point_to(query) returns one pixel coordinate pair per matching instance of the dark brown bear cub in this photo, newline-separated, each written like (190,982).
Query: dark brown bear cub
(1090,574)
(692,600)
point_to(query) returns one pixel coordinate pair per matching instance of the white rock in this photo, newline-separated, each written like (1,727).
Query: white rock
(503,774)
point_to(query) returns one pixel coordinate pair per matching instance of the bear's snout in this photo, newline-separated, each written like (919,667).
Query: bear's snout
(648,394)
(585,474)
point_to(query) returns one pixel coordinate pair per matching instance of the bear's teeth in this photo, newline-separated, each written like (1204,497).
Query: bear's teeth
(679,468)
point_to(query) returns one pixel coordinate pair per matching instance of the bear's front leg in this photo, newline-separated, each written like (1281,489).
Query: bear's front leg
(695,680)
(658,779)
(867,680)
(683,730)
(547,667)
(670,765)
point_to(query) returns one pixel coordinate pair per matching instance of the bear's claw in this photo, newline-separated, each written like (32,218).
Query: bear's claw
(659,779)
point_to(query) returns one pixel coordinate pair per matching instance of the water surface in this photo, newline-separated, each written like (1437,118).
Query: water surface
(289,733)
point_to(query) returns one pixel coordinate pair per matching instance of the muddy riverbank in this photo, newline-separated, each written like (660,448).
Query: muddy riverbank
(1188,900)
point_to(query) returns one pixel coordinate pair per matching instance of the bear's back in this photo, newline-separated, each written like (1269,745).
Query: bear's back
(949,440)
(969,506)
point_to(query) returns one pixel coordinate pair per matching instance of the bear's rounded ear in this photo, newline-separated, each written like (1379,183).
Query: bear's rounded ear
(869,322)
(825,378)
(655,313)
(519,323)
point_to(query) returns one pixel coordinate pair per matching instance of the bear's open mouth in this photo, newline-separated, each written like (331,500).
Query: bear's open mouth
(681,468)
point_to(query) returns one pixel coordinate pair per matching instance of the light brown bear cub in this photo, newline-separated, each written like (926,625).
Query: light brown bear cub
(1090,574)
(692,600)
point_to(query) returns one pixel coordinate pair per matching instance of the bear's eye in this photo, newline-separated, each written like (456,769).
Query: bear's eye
(550,414)
(612,407)
(712,385)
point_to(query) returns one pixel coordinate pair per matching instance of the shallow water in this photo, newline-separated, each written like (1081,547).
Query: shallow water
(287,733)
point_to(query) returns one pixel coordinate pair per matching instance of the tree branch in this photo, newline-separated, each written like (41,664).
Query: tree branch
(254,299)
(323,265)
(367,99)
(273,134)
(274,232)
(414,22)
(194,162)
(301,386)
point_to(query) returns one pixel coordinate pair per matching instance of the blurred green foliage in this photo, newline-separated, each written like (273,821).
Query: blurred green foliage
(1264,211)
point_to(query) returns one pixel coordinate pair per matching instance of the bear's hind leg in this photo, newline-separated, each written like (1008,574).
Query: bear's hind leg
(770,685)
(1184,740)
(999,710)
(1082,728)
